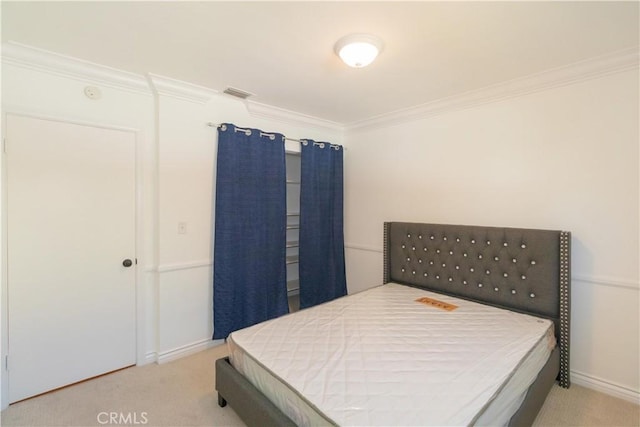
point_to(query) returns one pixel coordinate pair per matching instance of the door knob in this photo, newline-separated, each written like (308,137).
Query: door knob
(127,263)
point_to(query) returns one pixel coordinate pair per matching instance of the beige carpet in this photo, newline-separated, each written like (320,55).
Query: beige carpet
(181,393)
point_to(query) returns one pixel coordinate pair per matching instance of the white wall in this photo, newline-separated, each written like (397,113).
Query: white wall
(564,158)
(35,90)
(186,165)
(176,165)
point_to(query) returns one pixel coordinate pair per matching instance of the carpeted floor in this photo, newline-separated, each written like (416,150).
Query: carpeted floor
(181,393)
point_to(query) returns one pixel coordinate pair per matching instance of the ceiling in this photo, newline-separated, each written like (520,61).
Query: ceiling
(282,52)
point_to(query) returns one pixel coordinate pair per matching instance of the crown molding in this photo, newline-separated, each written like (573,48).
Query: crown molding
(32,58)
(28,57)
(179,89)
(270,112)
(619,61)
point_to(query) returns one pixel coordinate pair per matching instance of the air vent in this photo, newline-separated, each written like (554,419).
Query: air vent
(237,93)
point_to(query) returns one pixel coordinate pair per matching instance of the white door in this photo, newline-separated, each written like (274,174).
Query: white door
(70,226)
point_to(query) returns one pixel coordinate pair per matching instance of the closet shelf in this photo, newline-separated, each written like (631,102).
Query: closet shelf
(293,183)
(293,286)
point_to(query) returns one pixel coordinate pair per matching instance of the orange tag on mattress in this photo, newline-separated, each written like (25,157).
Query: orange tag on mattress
(438,304)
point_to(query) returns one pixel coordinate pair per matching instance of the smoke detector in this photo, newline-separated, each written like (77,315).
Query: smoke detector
(92,92)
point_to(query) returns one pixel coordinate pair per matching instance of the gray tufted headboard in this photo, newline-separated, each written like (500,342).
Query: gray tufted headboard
(519,269)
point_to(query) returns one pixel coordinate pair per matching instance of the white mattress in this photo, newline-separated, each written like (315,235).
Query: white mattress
(381,358)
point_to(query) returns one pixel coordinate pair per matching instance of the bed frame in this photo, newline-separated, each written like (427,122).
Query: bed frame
(523,270)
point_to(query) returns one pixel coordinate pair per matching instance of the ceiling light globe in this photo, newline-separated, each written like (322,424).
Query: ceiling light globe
(358,50)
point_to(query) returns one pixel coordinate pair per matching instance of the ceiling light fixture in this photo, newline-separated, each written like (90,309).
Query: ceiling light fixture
(358,50)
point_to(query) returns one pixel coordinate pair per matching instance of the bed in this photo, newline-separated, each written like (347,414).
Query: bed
(508,278)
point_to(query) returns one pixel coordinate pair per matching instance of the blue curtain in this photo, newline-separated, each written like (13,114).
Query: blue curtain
(249,279)
(322,270)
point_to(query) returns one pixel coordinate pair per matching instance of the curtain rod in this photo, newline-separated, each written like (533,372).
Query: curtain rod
(335,146)
(216,125)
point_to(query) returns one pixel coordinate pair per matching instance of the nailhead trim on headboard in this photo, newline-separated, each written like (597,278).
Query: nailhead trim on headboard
(565,306)
(387,227)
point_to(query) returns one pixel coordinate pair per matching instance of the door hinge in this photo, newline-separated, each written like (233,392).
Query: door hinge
(6,362)
(4,145)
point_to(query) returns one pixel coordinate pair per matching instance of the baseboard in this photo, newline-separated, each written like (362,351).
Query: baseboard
(606,387)
(186,350)
(150,357)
